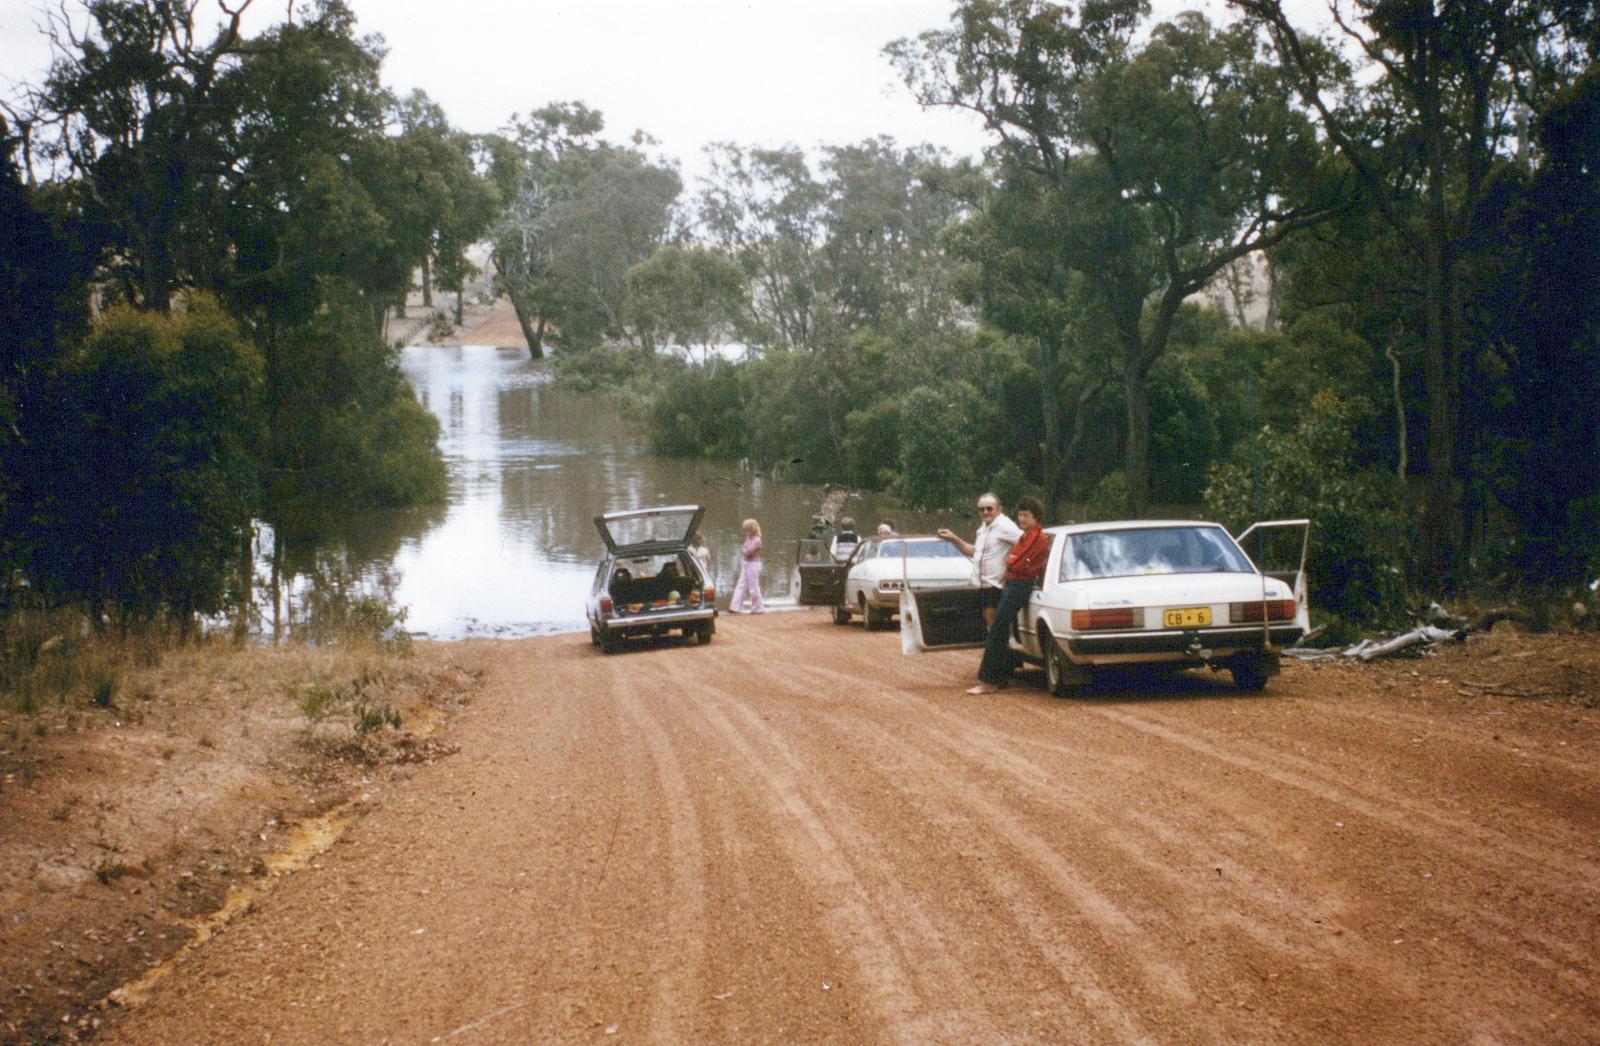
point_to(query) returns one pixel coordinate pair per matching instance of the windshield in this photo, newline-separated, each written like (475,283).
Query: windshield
(940,549)
(1157,550)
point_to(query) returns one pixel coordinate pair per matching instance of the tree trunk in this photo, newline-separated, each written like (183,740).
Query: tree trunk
(1079,424)
(1274,295)
(1050,403)
(427,283)
(461,306)
(1401,440)
(532,333)
(1440,526)
(1136,462)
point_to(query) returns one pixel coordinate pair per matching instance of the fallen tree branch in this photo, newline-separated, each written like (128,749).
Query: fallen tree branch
(1435,625)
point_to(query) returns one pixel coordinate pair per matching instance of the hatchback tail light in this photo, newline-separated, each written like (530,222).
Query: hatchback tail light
(1108,617)
(605,604)
(711,594)
(1274,609)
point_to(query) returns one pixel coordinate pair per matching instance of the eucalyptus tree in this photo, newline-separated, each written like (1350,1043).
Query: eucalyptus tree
(129,108)
(1431,137)
(1026,286)
(850,245)
(615,215)
(764,209)
(269,170)
(886,211)
(577,213)
(443,203)
(1163,158)
(692,297)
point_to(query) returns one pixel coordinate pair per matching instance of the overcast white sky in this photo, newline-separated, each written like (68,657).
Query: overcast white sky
(689,72)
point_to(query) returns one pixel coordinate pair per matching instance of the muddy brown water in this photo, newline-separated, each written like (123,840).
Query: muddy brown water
(514,551)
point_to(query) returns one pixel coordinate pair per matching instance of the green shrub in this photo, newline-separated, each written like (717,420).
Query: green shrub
(936,466)
(346,427)
(1357,557)
(1109,499)
(370,716)
(136,495)
(1009,484)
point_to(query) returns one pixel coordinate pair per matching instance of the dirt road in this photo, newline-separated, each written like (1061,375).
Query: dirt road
(797,834)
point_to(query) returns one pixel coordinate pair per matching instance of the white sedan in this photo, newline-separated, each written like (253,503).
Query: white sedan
(1171,594)
(869,583)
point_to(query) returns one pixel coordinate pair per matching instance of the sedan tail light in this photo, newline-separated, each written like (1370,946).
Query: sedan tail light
(1275,610)
(1109,617)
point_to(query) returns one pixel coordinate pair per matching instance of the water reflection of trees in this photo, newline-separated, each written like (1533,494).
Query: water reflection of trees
(329,576)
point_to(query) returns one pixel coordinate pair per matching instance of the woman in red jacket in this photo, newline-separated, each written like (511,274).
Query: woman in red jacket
(1023,567)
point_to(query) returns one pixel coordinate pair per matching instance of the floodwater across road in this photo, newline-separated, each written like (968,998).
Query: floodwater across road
(531,465)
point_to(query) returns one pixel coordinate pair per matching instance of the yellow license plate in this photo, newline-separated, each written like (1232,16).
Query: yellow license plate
(1187,617)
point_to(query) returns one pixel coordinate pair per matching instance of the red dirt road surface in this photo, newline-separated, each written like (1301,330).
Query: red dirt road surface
(798,834)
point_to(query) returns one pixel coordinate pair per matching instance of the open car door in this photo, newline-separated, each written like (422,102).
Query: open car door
(944,618)
(821,576)
(1278,547)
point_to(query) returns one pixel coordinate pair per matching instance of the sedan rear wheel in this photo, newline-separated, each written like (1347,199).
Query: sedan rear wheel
(872,617)
(841,615)
(1057,671)
(1249,675)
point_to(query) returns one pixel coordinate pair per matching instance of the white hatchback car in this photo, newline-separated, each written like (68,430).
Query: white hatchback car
(870,581)
(1167,593)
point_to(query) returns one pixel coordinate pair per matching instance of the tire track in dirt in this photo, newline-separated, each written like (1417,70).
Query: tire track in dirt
(1464,836)
(1053,881)
(1477,854)
(1292,933)
(797,834)
(1170,909)
(817,834)
(687,922)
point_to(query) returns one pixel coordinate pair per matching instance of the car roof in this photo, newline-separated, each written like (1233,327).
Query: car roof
(1130,524)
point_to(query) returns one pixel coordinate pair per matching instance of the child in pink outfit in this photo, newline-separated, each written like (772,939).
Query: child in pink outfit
(748,591)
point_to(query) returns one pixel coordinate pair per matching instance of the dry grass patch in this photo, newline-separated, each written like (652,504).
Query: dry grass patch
(140,780)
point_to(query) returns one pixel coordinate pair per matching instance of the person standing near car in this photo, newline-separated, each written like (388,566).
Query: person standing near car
(748,590)
(989,548)
(702,555)
(1024,563)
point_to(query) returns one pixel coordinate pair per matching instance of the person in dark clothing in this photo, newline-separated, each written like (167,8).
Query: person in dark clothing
(846,540)
(1024,564)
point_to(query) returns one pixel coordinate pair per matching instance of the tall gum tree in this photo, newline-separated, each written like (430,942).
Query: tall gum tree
(1456,80)
(578,212)
(1165,160)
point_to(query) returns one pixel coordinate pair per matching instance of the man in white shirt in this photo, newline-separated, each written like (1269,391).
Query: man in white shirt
(988,550)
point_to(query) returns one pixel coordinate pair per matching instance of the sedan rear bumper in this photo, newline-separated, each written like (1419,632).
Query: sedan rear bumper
(1198,645)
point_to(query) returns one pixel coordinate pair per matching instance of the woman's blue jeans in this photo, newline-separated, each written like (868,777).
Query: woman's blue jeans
(998,660)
